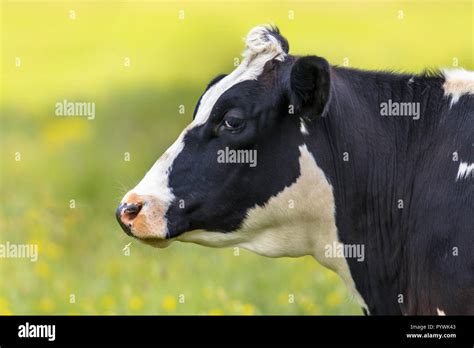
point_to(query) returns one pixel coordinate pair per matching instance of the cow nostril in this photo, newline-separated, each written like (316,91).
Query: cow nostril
(128,212)
(131,211)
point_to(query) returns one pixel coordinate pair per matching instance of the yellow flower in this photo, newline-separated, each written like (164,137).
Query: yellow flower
(308,305)
(46,305)
(42,269)
(169,303)
(135,303)
(108,302)
(3,303)
(248,309)
(57,135)
(215,312)
(53,251)
(234,306)
(333,299)
(88,306)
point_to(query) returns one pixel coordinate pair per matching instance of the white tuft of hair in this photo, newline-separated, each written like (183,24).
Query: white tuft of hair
(260,41)
(465,171)
(458,82)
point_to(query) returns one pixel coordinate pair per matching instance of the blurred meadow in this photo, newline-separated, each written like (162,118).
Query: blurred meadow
(62,177)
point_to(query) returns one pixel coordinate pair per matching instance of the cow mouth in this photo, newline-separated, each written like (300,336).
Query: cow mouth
(157,242)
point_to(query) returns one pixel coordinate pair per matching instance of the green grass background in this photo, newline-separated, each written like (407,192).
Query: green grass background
(80,249)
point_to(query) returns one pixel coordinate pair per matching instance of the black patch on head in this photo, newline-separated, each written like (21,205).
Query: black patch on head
(209,85)
(217,196)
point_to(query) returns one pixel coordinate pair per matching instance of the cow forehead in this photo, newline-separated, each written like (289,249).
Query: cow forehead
(261,47)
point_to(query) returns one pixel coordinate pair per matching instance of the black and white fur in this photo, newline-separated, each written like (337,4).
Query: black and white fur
(330,170)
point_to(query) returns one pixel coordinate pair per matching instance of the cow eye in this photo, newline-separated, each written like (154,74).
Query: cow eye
(232,122)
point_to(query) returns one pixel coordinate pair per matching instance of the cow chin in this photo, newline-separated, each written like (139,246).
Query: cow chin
(153,233)
(157,243)
(144,227)
(152,227)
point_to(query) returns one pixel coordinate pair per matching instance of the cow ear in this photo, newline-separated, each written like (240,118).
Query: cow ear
(309,86)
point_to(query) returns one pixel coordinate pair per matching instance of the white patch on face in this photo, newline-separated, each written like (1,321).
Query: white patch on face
(298,221)
(261,47)
(465,171)
(440,312)
(155,181)
(154,190)
(303,128)
(458,82)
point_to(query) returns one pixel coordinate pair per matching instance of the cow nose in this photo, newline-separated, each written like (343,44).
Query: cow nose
(126,214)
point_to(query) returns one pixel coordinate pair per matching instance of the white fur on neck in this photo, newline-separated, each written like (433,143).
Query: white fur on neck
(297,221)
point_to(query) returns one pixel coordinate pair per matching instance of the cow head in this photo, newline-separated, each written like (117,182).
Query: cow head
(241,173)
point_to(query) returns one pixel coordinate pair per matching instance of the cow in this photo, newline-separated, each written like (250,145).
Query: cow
(371,173)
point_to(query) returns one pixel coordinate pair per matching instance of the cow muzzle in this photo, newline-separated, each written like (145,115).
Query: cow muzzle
(143,217)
